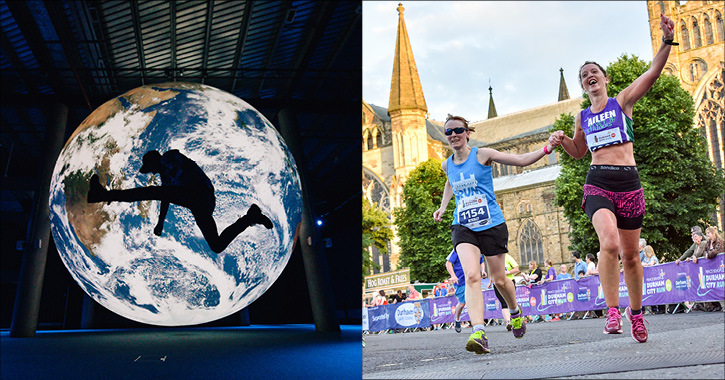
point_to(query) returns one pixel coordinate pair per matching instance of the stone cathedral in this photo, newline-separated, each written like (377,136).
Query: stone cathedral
(699,63)
(397,138)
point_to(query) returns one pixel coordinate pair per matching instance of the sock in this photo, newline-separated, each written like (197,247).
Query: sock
(477,328)
(636,312)
(514,311)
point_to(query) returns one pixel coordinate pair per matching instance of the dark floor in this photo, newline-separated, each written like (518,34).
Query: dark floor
(252,352)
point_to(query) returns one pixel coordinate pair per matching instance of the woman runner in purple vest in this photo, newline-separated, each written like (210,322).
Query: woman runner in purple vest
(613,194)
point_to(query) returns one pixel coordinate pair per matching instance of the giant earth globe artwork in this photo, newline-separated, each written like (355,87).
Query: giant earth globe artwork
(232,195)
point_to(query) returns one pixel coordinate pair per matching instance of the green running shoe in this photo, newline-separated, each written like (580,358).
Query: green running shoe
(518,325)
(478,343)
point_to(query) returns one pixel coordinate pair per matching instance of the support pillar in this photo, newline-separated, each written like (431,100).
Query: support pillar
(313,256)
(88,311)
(244,317)
(35,251)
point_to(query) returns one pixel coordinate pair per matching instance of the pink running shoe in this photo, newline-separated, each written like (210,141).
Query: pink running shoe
(614,322)
(639,331)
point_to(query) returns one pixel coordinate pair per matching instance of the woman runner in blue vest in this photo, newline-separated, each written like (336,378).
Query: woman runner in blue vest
(613,194)
(478,224)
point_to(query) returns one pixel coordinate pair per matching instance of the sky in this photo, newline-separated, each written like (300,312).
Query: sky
(518,46)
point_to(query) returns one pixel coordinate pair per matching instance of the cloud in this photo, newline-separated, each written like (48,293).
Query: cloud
(520,46)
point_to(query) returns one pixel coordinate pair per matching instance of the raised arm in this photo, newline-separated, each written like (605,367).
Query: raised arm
(644,83)
(487,155)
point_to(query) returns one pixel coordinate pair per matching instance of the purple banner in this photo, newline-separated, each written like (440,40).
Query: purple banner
(399,316)
(589,294)
(662,284)
(443,310)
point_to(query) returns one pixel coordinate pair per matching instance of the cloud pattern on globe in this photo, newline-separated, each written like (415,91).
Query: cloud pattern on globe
(174,279)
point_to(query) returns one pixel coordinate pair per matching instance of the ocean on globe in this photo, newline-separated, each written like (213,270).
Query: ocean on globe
(174,278)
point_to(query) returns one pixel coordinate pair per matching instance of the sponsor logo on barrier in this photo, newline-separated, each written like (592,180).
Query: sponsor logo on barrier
(683,283)
(381,317)
(409,314)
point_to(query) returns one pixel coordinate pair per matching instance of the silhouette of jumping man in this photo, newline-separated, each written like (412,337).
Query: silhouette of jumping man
(183,183)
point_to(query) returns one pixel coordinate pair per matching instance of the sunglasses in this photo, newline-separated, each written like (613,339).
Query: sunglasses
(458,131)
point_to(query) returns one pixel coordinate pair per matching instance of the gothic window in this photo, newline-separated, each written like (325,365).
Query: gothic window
(711,118)
(369,141)
(531,243)
(375,190)
(376,260)
(401,149)
(719,27)
(365,140)
(685,36)
(696,33)
(383,260)
(708,30)
(379,138)
(696,69)
(414,148)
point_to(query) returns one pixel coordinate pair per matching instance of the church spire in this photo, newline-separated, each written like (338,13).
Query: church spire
(405,89)
(563,92)
(491,107)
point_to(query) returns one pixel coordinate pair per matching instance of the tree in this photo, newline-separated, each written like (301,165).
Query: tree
(424,243)
(681,185)
(375,231)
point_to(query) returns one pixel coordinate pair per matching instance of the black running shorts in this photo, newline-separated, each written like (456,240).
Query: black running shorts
(491,242)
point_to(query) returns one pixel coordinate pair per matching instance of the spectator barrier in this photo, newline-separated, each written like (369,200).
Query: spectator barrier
(662,284)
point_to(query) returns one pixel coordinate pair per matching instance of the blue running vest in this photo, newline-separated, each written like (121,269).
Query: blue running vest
(472,184)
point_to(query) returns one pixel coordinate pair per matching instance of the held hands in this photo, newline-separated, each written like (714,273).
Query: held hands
(556,138)
(668,27)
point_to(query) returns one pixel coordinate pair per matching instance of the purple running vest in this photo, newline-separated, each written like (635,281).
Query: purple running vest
(608,127)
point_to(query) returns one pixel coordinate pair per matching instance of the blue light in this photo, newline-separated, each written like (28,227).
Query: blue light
(319,222)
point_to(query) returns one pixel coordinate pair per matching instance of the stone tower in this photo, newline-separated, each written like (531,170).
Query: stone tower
(407,110)
(699,63)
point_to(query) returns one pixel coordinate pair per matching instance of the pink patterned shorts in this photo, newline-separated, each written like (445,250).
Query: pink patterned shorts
(618,189)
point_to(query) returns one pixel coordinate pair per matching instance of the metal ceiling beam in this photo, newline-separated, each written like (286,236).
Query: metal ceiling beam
(343,42)
(278,33)
(30,31)
(63,29)
(207,36)
(314,34)
(136,18)
(172,32)
(100,28)
(241,41)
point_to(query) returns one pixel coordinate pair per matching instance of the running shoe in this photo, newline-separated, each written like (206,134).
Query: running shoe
(508,326)
(478,343)
(458,326)
(614,322)
(639,331)
(518,325)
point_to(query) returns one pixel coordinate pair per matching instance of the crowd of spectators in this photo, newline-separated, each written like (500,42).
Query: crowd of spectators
(704,245)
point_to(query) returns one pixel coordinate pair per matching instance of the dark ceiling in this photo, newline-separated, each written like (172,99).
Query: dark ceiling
(299,55)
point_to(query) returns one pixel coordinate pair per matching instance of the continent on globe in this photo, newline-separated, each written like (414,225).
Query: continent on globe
(183,183)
